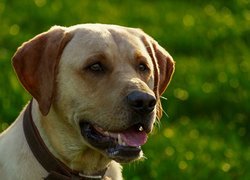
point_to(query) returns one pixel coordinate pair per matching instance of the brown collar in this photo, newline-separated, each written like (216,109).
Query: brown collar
(57,170)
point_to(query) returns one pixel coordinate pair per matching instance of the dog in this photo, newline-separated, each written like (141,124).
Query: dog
(96,95)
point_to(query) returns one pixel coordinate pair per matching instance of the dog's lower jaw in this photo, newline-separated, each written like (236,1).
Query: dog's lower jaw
(82,162)
(97,163)
(87,161)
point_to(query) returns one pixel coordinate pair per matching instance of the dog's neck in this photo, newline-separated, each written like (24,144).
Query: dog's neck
(66,146)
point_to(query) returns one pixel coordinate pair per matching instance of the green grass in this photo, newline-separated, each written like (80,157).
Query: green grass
(206,135)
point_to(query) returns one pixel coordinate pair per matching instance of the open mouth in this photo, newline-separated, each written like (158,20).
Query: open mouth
(122,146)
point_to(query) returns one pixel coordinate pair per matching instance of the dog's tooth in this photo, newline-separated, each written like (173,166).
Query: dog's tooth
(140,129)
(106,133)
(119,139)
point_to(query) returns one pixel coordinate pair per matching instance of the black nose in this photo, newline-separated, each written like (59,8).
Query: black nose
(141,102)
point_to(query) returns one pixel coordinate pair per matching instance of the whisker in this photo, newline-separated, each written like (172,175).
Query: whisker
(164,112)
(158,123)
(162,97)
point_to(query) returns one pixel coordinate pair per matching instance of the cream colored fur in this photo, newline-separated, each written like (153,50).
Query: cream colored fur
(78,96)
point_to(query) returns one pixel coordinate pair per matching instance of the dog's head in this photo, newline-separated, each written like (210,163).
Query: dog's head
(104,81)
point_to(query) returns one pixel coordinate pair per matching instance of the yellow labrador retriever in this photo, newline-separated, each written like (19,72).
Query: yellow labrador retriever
(96,94)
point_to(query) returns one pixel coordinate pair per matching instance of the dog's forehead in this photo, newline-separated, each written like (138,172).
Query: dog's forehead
(90,39)
(106,35)
(105,27)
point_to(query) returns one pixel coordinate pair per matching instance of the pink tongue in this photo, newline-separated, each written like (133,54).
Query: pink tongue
(133,137)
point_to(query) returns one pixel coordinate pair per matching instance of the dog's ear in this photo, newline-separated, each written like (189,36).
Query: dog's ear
(35,63)
(164,67)
(164,64)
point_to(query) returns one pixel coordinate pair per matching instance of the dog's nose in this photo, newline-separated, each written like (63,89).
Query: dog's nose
(141,102)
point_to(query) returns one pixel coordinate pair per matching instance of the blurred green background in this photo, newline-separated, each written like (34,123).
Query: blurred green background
(207,132)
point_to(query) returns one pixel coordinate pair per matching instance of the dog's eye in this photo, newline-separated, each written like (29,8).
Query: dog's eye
(97,67)
(143,67)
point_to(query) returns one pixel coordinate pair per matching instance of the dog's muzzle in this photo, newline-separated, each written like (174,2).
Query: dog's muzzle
(124,145)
